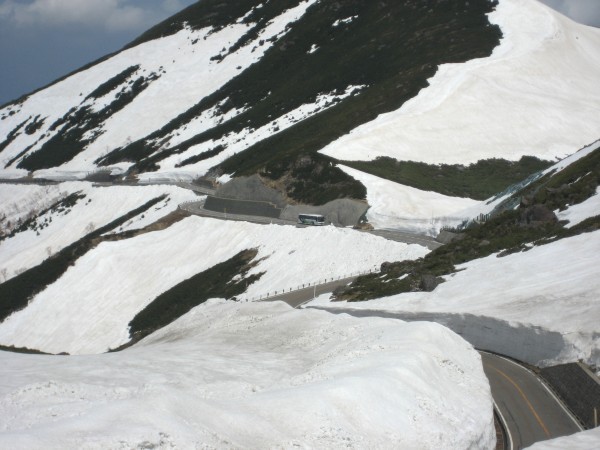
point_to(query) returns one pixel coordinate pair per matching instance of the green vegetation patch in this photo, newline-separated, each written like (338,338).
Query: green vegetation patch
(509,232)
(532,223)
(313,180)
(216,14)
(571,186)
(478,181)
(113,83)
(225,280)
(390,49)
(16,293)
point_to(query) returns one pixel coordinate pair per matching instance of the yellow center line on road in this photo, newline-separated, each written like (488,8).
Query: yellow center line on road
(537,417)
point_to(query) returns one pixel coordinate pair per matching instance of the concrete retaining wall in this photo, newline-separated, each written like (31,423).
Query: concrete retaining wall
(250,188)
(241,207)
(343,212)
(578,388)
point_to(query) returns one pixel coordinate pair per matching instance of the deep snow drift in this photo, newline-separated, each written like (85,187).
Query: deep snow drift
(93,302)
(255,376)
(554,287)
(586,440)
(534,96)
(393,205)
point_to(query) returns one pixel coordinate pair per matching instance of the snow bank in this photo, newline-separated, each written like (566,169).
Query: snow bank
(397,206)
(101,206)
(256,376)
(586,440)
(93,302)
(550,290)
(534,95)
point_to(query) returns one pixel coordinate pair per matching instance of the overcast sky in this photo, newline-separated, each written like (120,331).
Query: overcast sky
(41,40)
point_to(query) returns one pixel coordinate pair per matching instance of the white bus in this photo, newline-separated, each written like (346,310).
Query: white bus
(311,219)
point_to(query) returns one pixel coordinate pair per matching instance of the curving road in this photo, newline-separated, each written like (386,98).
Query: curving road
(528,410)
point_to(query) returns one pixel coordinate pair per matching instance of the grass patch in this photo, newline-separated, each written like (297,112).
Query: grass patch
(478,181)
(225,280)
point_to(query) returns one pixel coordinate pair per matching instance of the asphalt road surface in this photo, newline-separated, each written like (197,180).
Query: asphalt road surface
(301,296)
(197,208)
(528,409)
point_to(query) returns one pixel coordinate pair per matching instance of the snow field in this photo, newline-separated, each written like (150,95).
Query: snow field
(500,106)
(256,375)
(129,274)
(394,205)
(531,289)
(101,206)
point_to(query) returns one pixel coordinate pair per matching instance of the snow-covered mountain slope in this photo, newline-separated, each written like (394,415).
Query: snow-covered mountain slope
(255,376)
(393,205)
(205,91)
(546,285)
(535,96)
(100,294)
(553,288)
(54,228)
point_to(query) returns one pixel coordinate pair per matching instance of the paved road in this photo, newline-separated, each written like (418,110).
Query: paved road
(197,208)
(529,411)
(301,296)
(409,238)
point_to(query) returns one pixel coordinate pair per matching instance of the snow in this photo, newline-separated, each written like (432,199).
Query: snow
(554,287)
(128,275)
(581,153)
(234,143)
(585,440)
(178,58)
(228,375)
(533,96)
(345,21)
(578,213)
(397,206)
(101,206)
(18,201)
